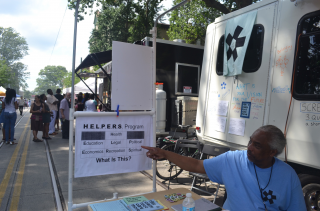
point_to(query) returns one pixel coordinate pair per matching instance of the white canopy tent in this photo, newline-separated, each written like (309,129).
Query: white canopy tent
(81,87)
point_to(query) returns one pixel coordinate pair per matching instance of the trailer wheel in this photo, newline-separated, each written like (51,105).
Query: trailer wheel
(311,191)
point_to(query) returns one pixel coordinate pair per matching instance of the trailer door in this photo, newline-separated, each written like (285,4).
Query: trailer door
(250,90)
(246,92)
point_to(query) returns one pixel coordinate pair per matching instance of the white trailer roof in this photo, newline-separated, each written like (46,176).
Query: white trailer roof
(244,10)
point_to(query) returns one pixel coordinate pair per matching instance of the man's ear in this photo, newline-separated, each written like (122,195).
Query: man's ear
(273,152)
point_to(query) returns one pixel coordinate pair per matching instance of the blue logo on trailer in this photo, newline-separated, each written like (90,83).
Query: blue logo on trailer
(245,110)
(223,85)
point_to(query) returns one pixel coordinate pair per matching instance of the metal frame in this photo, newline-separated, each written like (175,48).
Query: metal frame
(147,40)
(177,78)
(95,93)
(72,206)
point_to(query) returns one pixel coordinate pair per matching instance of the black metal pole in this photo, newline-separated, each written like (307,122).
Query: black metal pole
(95,84)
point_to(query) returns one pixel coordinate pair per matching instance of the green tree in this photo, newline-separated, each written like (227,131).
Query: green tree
(27,93)
(113,25)
(224,6)
(20,75)
(13,47)
(147,11)
(190,21)
(67,81)
(123,20)
(51,77)
(6,74)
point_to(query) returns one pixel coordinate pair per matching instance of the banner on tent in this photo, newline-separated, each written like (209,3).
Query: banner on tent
(111,145)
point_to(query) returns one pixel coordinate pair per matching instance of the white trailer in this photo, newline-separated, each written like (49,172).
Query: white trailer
(282,61)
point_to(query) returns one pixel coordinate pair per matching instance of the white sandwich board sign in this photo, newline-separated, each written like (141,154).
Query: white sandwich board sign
(111,145)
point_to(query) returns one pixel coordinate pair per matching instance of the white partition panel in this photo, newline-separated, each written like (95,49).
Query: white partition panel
(131,77)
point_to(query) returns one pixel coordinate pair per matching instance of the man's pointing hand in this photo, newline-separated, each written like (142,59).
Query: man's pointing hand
(154,152)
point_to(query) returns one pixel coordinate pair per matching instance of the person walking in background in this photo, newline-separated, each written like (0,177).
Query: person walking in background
(15,95)
(80,94)
(52,102)
(10,105)
(64,96)
(86,97)
(29,103)
(91,104)
(95,101)
(21,103)
(59,97)
(0,106)
(0,111)
(46,114)
(79,106)
(3,131)
(64,111)
(36,119)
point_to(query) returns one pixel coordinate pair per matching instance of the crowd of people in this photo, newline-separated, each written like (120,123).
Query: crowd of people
(48,112)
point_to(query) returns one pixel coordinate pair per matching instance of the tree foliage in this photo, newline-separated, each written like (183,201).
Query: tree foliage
(85,5)
(123,20)
(67,81)
(146,11)
(13,47)
(190,21)
(27,93)
(113,25)
(51,77)
(224,6)
(5,73)
(128,21)
(20,75)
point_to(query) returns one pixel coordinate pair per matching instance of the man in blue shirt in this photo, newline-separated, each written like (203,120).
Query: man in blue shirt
(254,179)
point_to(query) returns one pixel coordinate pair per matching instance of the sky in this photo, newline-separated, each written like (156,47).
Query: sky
(38,21)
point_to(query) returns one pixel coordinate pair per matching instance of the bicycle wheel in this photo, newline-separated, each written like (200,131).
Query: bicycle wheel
(164,168)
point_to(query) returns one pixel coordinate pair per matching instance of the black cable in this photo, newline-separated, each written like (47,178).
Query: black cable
(264,187)
(58,33)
